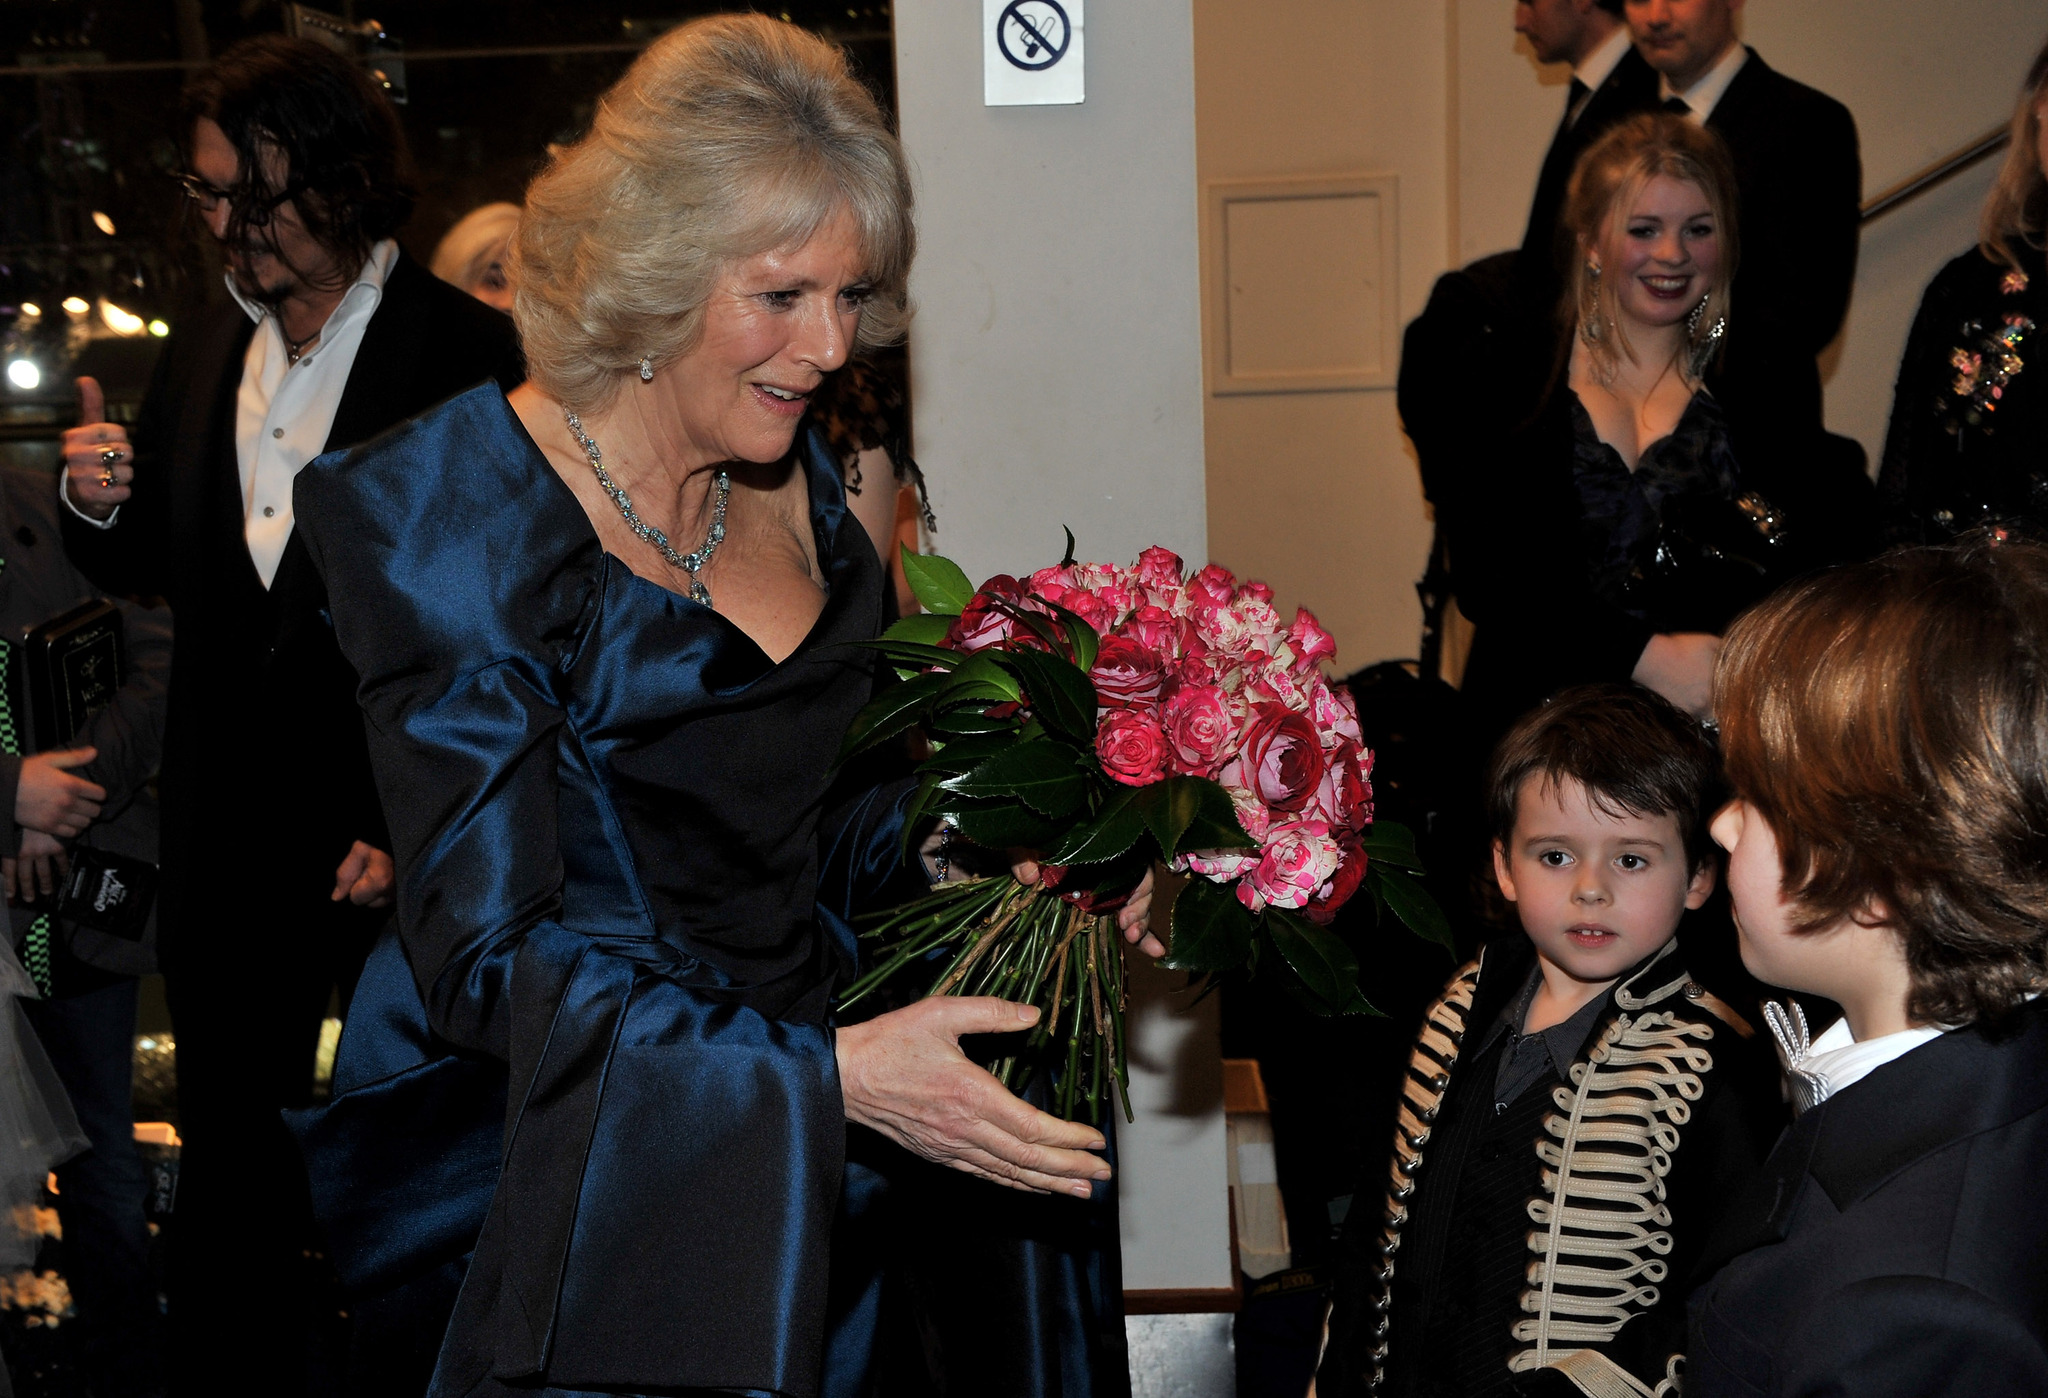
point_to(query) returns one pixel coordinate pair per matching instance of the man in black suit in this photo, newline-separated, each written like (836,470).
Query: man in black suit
(1610,80)
(274,862)
(1799,181)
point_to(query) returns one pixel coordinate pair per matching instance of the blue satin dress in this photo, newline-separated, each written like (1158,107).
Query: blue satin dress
(587,1095)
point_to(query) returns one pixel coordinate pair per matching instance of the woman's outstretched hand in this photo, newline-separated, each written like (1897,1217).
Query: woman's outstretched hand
(903,1074)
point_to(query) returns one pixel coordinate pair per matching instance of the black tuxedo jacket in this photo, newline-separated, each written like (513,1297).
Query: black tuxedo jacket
(266,778)
(1896,1242)
(1799,181)
(1630,88)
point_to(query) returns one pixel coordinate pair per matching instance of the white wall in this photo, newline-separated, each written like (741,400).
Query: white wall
(1057,380)
(1316,492)
(1056,354)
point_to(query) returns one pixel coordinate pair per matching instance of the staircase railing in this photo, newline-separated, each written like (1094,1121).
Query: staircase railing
(1885,201)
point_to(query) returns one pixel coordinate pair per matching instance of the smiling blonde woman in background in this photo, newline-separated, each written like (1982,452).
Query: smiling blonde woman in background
(1570,546)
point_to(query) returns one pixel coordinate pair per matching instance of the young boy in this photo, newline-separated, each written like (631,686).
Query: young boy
(1577,1106)
(1886,729)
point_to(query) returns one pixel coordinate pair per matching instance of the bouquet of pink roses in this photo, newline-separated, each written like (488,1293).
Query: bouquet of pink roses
(1111,718)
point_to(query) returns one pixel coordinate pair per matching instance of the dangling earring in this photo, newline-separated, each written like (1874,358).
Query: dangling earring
(1703,346)
(647,368)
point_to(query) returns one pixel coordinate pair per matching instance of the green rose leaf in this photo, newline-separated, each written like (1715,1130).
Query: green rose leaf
(1001,827)
(1411,903)
(915,653)
(920,628)
(964,754)
(1115,828)
(1389,843)
(960,723)
(1042,775)
(1324,965)
(938,582)
(981,680)
(1212,931)
(891,712)
(1060,695)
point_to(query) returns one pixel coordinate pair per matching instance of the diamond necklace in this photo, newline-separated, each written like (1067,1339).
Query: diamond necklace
(691,563)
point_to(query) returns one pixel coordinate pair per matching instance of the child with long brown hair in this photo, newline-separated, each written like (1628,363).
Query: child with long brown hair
(1885,730)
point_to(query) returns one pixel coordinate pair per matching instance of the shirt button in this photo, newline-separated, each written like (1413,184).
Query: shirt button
(268,511)
(277,431)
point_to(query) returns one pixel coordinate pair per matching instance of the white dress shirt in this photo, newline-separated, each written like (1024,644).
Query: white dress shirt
(284,411)
(1599,66)
(1817,1069)
(1705,94)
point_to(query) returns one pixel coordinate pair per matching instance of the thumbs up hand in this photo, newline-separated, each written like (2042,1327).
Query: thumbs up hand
(98,460)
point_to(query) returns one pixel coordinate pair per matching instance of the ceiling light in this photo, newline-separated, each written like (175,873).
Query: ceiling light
(30,310)
(23,374)
(119,321)
(159,328)
(76,305)
(103,223)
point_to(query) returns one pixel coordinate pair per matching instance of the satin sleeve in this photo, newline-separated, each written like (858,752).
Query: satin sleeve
(671,1159)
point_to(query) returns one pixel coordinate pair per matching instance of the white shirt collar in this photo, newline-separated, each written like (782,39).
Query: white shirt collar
(1704,95)
(1599,65)
(1817,1069)
(369,282)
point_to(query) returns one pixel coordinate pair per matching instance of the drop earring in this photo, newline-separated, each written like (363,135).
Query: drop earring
(647,368)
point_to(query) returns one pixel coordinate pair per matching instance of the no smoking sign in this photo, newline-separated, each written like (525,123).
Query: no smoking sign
(1031,53)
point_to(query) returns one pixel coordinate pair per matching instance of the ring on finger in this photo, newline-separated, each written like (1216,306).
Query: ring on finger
(107,481)
(113,456)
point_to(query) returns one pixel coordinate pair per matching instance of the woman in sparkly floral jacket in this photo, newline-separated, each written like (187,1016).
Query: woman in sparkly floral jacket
(1968,443)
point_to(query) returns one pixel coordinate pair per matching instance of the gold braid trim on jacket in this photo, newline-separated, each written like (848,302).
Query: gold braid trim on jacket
(1422,1095)
(1602,1222)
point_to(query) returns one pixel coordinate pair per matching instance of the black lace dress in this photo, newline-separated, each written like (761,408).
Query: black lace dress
(1568,562)
(1968,443)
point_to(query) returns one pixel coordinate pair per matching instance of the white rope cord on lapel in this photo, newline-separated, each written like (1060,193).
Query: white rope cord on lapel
(1422,1096)
(1601,1219)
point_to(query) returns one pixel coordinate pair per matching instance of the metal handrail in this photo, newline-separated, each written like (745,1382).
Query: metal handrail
(1990,142)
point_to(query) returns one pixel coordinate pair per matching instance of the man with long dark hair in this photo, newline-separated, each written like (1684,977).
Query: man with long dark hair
(274,864)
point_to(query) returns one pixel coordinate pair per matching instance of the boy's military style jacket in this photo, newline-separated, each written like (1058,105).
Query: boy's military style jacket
(1536,1223)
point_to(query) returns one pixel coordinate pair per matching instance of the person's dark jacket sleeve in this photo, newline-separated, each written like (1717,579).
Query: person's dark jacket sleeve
(1913,437)
(1519,570)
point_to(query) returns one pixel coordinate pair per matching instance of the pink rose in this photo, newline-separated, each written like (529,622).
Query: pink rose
(1256,591)
(1052,584)
(1155,630)
(1201,723)
(1159,568)
(1283,757)
(1332,710)
(1337,892)
(1099,615)
(1121,599)
(1126,675)
(1213,587)
(981,623)
(1132,747)
(1215,865)
(1312,645)
(1275,681)
(1298,859)
(1343,797)
(1252,813)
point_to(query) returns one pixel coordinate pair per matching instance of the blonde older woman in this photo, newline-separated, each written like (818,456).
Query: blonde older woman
(476,254)
(600,631)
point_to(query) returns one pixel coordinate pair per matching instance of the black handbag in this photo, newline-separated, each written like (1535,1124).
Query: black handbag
(1712,559)
(74,663)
